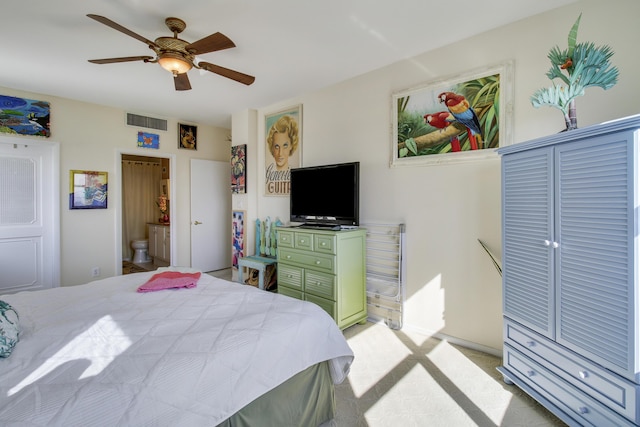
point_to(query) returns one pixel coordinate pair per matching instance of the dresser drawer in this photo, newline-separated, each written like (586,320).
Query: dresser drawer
(285,238)
(313,260)
(290,276)
(290,292)
(612,390)
(584,409)
(320,284)
(325,304)
(325,244)
(302,240)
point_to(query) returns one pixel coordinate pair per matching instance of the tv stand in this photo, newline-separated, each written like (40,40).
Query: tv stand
(325,267)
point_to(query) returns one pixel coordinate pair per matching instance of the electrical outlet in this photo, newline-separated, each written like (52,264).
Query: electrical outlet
(95,272)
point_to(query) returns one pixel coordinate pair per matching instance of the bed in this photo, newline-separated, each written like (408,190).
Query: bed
(219,353)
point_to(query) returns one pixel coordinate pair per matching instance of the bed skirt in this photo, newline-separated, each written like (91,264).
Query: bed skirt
(306,399)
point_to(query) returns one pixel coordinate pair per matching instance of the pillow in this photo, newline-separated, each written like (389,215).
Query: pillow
(170,279)
(9,329)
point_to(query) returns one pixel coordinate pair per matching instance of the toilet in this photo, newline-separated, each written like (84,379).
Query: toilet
(140,248)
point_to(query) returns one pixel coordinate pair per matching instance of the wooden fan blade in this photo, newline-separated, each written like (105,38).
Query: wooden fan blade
(225,72)
(181,82)
(123,59)
(109,23)
(217,41)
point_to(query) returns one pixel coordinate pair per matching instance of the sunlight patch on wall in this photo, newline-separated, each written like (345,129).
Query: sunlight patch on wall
(426,306)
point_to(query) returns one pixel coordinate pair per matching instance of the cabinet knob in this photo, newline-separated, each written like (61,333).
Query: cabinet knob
(531,373)
(288,256)
(323,244)
(196,223)
(317,262)
(301,240)
(547,242)
(583,410)
(554,245)
(531,343)
(583,374)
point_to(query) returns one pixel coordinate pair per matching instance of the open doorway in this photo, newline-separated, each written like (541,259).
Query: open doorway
(144,237)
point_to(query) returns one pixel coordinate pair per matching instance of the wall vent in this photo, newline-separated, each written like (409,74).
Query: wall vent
(146,122)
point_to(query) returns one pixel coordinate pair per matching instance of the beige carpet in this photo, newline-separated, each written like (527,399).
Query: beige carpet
(403,378)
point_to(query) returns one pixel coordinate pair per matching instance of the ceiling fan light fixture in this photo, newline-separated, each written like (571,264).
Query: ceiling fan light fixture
(174,63)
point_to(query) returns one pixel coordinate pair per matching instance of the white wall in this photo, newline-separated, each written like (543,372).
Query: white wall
(90,137)
(452,287)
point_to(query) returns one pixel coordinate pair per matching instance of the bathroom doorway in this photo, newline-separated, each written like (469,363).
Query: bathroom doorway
(142,180)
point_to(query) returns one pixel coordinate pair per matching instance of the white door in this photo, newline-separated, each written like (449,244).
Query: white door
(29,215)
(210,215)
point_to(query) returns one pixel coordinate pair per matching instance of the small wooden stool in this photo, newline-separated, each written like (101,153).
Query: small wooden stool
(259,263)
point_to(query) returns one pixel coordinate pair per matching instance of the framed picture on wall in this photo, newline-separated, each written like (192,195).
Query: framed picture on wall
(237,236)
(283,148)
(460,118)
(187,137)
(87,190)
(239,169)
(148,140)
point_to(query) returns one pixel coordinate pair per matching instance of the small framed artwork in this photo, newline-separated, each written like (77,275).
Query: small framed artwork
(187,137)
(87,190)
(461,118)
(237,237)
(148,140)
(238,169)
(283,136)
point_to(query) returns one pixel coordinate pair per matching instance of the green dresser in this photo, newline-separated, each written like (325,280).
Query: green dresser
(327,268)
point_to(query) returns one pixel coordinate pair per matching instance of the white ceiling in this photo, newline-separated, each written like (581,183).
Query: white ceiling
(292,47)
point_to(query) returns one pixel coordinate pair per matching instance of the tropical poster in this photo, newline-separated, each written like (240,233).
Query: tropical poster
(24,116)
(448,117)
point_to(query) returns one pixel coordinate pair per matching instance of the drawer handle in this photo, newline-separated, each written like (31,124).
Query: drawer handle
(301,240)
(288,256)
(583,374)
(323,244)
(317,262)
(583,410)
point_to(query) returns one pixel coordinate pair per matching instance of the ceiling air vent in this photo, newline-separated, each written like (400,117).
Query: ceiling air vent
(146,122)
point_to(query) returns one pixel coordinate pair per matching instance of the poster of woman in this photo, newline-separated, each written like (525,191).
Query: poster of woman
(283,136)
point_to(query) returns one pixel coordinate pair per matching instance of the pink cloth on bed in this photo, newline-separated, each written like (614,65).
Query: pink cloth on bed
(170,279)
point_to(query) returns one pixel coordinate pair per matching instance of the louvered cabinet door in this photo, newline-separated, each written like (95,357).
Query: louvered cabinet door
(528,207)
(595,217)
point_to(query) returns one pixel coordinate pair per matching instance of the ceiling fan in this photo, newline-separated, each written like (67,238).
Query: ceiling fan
(175,55)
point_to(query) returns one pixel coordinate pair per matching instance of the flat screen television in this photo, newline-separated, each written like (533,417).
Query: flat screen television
(326,196)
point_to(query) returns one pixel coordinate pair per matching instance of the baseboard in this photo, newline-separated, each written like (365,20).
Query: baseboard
(457,341)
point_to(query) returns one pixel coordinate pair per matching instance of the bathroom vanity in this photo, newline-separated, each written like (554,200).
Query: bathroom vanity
(160,244)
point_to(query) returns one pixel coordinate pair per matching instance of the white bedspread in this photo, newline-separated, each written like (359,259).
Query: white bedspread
(102,354)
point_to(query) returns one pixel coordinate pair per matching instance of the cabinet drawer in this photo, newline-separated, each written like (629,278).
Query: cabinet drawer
(584,409)
(313,260)
(325,304)
(303,241)
(614,391)
(325,244)
(285,238)
(320,284)
(290,292)
(290,276)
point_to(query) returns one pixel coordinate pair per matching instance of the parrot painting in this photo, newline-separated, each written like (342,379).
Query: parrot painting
(460,108)
(442,120)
